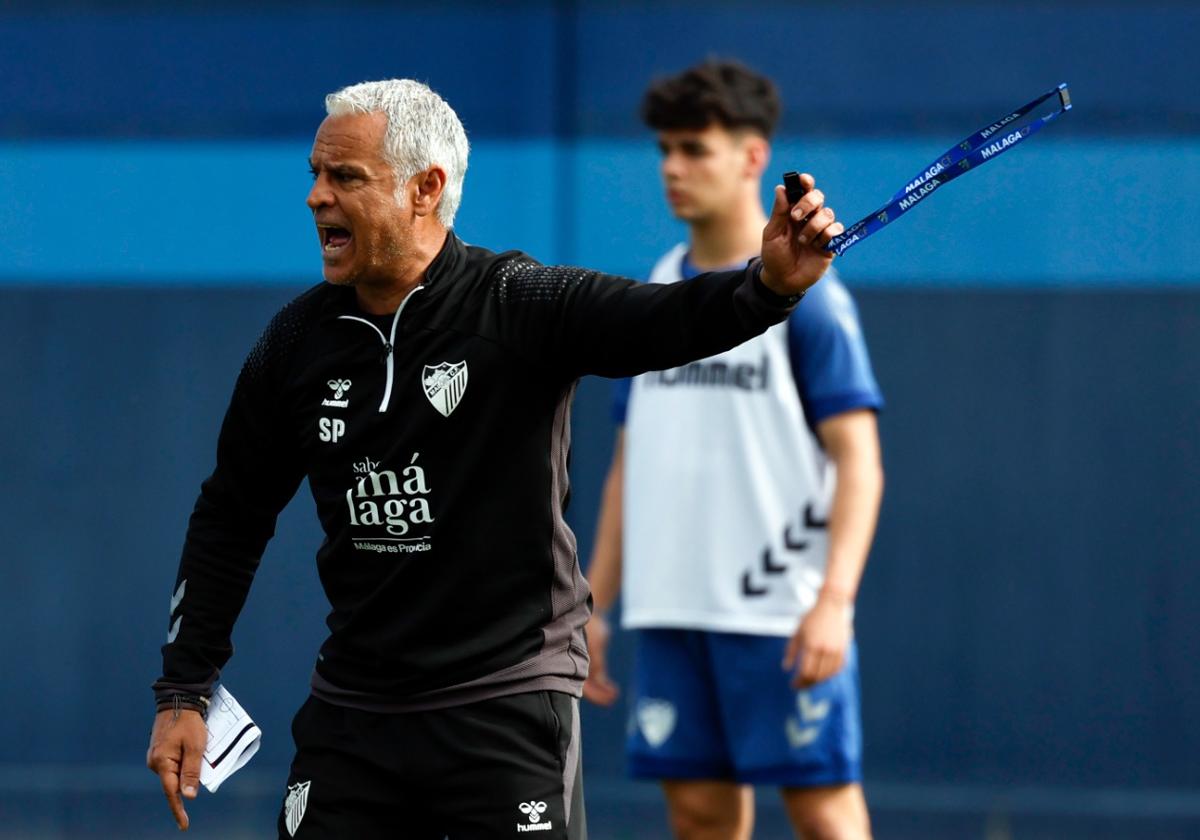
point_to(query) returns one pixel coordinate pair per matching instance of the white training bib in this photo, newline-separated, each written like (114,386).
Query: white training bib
(726,493)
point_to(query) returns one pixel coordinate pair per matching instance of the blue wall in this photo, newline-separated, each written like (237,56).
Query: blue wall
(530,68)
(1058,212)
(1028,620)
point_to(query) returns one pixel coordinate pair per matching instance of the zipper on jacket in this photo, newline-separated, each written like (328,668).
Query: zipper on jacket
(389,344)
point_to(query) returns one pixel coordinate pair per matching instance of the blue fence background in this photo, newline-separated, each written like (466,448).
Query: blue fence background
(1027,623)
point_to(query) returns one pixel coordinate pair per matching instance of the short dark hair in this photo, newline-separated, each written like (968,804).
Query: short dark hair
(724,92)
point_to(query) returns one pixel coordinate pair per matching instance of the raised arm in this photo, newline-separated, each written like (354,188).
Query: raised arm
(587,322)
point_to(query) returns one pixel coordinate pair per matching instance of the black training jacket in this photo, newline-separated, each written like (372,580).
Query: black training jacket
(435,442)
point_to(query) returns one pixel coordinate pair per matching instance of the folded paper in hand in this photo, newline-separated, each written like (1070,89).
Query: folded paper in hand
(233,739)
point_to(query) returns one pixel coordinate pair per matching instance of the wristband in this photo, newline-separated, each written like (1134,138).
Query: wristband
(179,702)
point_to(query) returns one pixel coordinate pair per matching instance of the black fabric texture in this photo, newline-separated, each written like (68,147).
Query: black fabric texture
(493,769)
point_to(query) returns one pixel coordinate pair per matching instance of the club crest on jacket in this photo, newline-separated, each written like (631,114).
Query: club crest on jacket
(444,385)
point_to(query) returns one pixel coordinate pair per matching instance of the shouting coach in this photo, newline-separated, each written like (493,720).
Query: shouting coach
(424,391)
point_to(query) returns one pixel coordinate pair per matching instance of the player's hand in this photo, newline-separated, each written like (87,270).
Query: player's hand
(817,650)
(176,746)
(598,688)
(794,240)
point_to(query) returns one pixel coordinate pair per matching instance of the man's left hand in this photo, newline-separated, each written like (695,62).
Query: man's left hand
(794,240)
(819,643)
(176,745)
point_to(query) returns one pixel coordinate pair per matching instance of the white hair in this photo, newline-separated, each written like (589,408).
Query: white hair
(422,131)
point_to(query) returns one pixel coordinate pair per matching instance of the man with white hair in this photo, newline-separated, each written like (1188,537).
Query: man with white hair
(424,391)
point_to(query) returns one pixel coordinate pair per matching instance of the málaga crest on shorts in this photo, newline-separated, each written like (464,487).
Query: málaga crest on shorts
(656,719)
(445,384)
(295,805)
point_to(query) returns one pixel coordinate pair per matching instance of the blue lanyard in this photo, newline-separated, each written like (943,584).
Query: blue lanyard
(973,151)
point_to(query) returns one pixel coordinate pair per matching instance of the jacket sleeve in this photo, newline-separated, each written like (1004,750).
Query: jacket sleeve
(593,323)
(257,473)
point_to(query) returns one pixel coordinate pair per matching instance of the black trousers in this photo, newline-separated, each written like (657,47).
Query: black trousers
(502,768)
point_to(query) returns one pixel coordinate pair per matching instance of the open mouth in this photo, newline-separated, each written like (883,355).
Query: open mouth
(333,238)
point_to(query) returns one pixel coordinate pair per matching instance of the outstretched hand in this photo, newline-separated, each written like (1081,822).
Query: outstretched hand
(794,240)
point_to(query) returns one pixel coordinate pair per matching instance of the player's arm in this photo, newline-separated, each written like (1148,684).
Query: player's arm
(234,517)
(834,380)
(851,440)
(604,578)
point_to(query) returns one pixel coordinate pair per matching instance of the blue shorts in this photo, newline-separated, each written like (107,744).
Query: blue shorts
(709,705)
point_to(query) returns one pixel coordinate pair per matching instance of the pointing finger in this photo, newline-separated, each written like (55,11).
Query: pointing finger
(170,785)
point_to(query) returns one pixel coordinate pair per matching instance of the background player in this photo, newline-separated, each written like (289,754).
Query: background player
(743,495)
